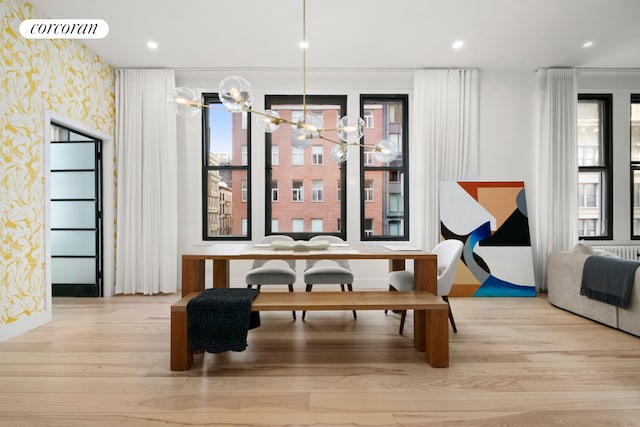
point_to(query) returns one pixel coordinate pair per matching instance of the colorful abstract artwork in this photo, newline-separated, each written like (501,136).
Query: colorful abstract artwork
(491,219)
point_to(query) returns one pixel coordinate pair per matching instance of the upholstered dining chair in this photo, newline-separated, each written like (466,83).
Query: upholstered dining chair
(318,272)
(448,252)
(262,274)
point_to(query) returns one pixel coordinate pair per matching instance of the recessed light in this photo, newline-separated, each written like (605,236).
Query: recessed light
(152,45)
(457,44)
(587,44)
(304,44)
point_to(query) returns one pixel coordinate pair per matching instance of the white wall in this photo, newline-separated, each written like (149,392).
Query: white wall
(506,141)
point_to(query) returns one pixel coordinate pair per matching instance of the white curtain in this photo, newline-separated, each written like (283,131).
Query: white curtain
(146,168)
(444,146)
(556,214)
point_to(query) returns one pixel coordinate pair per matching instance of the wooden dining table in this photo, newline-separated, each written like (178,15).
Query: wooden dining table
(221,255)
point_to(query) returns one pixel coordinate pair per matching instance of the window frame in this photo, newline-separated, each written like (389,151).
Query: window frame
(212,98)
(606,169)
(317,155)
(297,193)
(317,194)
(276,100)
(402,168)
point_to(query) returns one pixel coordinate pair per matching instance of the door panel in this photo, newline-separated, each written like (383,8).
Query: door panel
(75,206)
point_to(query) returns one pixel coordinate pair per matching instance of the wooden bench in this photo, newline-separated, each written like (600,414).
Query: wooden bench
(435,316)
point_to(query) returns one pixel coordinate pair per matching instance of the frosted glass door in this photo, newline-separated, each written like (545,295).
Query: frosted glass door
(75,206)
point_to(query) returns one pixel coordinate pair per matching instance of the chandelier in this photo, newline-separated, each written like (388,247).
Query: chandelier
(236,95)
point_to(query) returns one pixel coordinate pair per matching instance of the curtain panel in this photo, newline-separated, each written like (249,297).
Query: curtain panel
(444,146)
(146,176)
(556,181)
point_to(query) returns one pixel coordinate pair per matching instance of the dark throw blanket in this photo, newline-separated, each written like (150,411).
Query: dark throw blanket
(218,319)
(608,279)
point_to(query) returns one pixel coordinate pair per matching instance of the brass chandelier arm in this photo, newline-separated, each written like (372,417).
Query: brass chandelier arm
(280,120)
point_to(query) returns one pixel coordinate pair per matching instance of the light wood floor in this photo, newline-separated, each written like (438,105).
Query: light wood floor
(514,362)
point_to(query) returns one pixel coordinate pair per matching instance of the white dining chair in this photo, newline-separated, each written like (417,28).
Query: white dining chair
(272,274)
(448,252)
(328,272)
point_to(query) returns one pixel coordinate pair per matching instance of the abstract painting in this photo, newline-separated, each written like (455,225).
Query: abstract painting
(491,219)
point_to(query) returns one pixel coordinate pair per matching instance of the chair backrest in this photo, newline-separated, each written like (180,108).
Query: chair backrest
(331,239)
(270,239)
(448,252)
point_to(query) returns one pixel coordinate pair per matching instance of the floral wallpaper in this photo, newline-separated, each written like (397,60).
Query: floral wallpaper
(61,76)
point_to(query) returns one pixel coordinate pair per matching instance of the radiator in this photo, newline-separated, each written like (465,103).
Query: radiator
(626,252)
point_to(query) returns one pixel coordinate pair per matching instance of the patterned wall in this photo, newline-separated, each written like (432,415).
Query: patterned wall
(61,76)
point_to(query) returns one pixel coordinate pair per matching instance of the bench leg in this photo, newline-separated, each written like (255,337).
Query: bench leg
(419,332)
(181,357)
(437,338)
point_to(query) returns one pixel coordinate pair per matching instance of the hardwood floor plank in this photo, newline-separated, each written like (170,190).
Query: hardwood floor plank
(514,362)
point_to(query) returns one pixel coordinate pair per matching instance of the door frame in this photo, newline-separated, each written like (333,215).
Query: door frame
(108,201)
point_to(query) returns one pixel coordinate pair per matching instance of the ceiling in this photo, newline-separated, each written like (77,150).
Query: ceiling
(361,34)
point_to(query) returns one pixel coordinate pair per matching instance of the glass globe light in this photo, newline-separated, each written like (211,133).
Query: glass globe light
(269,122)
(235,93)
(340,153)
(350,128)
(184,102)
(385,151)
(306,131)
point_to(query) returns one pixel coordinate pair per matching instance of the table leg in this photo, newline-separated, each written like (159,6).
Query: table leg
(396,264)
(437,338)
(192,275)
(425,278)
(221,273)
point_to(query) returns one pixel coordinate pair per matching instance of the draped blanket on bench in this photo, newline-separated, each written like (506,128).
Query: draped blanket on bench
(219,319)
(608,279)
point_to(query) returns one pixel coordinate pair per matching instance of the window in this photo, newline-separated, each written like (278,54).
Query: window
(384,211)
(368,191)
(367,116)
(317,155)
(244,155)
(226,168)
(275,155)
(368,226)
(245,189)
(317,191)
(317,225)
(275,225)
(297,156)
(635,166)
(297,225)
(245,120)
(595,189)
(297,194)
(368,158)
(297,216)
(274,191)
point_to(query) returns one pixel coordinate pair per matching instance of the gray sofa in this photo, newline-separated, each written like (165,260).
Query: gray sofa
(564,276)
